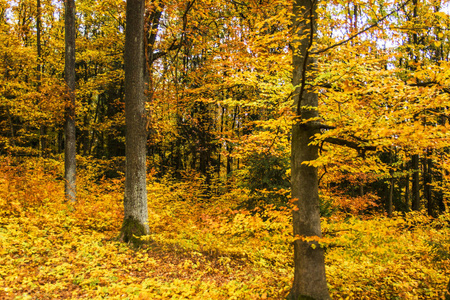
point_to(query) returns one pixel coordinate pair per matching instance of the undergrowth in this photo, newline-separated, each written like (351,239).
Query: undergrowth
(198,248)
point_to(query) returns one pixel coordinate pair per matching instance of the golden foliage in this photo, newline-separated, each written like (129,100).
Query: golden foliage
(199,248)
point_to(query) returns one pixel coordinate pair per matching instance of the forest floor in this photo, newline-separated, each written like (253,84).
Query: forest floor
(198,248)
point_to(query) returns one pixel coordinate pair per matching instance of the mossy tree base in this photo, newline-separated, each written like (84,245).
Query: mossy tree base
(132,232)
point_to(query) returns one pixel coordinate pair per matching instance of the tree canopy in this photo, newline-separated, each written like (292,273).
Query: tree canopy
(218,125)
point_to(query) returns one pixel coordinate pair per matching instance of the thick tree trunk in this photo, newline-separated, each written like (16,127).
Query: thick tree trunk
(69,128)
(309,275)
(135,200)
(415,205)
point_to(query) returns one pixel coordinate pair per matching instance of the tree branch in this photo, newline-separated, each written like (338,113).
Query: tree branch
(305,60)
(160,54)
(354,145)
(360,32)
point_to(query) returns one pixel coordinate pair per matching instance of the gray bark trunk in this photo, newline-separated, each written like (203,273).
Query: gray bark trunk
(69,127)
(309,275)
(135,198)
(42,129)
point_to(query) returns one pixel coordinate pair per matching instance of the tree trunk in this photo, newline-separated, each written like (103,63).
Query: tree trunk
(12,140)
(135,221)
(69,129)
(390,197)
(427,178)
(415,205)
(43,128)
(309,274)
(407,192)
(440,193)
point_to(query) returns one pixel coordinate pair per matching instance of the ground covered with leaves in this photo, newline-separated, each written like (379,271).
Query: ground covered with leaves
(198,248)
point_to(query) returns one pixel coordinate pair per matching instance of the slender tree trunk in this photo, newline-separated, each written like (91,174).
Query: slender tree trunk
(135,199)
(427,178)
(219,156)
(60,141)
(407,192)
(390,197)
(42,129)
(415,205)
(229,145)
(69,130)
(12,139)
(440,193)
(238,125)
(309,274)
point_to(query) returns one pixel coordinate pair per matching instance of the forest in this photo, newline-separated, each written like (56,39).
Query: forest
(229,149)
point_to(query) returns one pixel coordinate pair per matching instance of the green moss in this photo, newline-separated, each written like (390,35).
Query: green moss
(131,232)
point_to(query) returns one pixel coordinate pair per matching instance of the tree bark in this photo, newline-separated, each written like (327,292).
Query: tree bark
(309,274)
(427,180)
(407,192)
(69,127)
(415,205)
(42,129)
(12,139)
(390,197)
(135,199)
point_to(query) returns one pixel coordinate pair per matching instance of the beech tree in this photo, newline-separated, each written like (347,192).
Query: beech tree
(42,129)
(69,128)
(216,74)
(309,274)
(135,221)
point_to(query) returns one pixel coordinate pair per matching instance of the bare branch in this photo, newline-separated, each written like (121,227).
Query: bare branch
(360,32)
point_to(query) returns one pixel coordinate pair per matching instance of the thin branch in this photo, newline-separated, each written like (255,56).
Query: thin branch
(423,84)
(174,46)
(160,54)
(324,173)
(360,32)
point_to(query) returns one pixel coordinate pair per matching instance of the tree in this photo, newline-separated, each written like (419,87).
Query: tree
(135,221)
(42,129)
(309,274)
(69,128)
